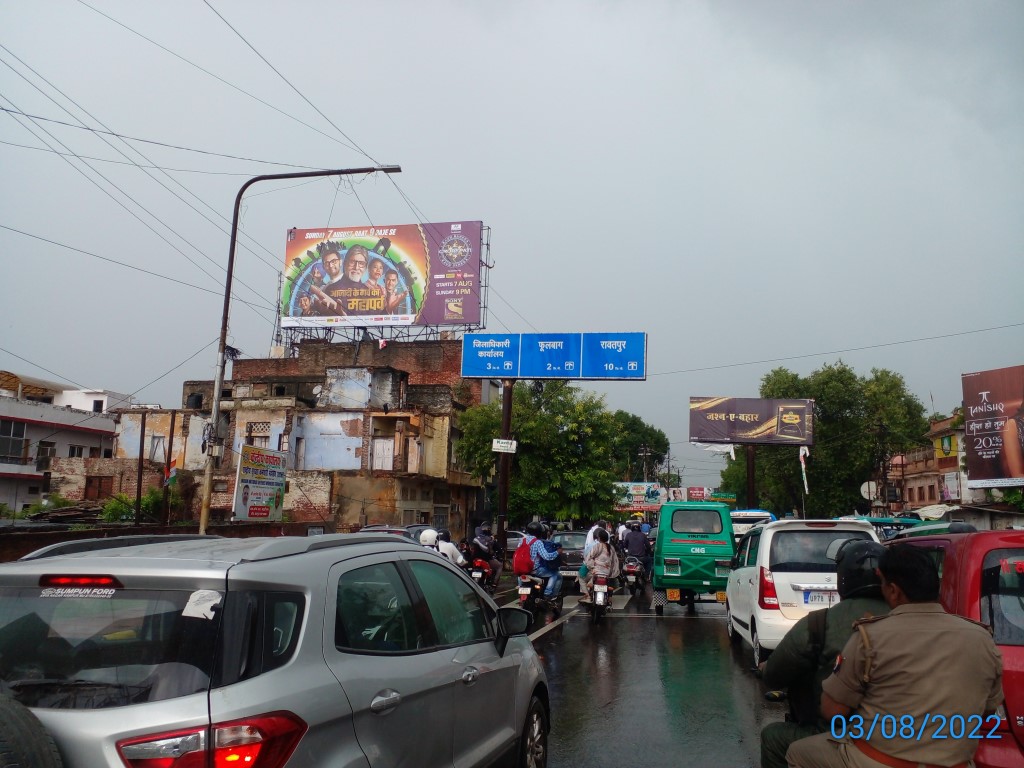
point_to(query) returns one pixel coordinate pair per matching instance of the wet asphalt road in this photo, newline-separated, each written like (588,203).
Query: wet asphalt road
(647,691)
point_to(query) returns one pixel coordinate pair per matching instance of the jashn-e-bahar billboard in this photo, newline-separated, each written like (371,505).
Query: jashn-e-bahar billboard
(744,420)
(404,274)
(994,427)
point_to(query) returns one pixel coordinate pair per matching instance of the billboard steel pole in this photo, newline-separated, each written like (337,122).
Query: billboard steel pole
(215,448)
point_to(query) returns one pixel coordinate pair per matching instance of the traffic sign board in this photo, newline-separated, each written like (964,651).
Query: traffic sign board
(592,356)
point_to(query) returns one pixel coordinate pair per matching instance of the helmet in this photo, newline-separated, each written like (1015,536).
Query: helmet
(635,525)
(444,535)
(535,528)
(856,561)
(428,538)
(485,527)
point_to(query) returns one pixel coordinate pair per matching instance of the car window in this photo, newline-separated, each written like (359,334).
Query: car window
(741,551)
(1002,595)
(83,648)
(755,545)
(457,610)
(374,612)
(574,540)
(696,521)
(807,551)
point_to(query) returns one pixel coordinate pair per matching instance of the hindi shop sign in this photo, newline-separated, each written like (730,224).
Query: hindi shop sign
(746,420)
(591,356)
(259,485)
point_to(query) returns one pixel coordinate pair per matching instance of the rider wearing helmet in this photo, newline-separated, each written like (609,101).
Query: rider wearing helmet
(637,545)
(545,559)
(449,550)
(484,547)
(428,538)
(808,651)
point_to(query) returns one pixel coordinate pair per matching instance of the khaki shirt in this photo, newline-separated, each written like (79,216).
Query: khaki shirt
(922,663)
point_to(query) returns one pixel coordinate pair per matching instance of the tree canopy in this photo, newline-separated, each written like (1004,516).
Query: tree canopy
(859,423)
(570,450)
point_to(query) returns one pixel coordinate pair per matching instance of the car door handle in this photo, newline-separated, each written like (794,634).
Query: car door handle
(469,675)
(385,701)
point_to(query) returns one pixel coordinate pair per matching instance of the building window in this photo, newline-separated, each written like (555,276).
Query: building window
(12,442)
(46,448)
(282,442)
(33,490)
(931,493)
(97,406)
(108,453)
(220,486)
(156,449)
(262,441)
(94,453)
(76,451)
(257,433)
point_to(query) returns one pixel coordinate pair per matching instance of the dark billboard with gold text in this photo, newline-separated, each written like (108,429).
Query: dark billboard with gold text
(745,420)
(994,427)
(404,274)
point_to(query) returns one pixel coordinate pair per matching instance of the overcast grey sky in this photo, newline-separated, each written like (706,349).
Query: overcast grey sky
(753,184)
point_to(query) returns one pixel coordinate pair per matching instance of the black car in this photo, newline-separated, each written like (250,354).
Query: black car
(572,557)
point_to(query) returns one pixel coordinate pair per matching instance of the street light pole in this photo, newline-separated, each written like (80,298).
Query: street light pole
(215,448)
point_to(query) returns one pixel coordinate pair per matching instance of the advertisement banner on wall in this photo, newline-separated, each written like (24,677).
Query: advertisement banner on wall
(747,420)
(994,427)
(259,484)
(639,497)
(404,274)
(694,493)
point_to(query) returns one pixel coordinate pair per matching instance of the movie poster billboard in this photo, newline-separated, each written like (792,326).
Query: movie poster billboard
(994,427)
(404,274)
(745,420)
(259,484)
(639,497)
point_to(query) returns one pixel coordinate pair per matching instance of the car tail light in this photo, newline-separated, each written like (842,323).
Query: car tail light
(265,741)
(71,580)
(767,597)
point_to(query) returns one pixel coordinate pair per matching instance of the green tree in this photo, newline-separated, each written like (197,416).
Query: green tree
(562,465)
(637,443)
(859,423)
(120,508)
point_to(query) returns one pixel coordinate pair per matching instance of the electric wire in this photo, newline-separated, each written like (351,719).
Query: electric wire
(122,162)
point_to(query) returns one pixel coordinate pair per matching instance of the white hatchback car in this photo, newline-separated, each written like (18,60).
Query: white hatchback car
(782,571)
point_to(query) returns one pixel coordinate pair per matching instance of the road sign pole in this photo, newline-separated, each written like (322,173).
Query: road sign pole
(505,459)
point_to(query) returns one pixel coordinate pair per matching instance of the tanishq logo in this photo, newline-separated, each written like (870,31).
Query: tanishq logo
(455,250)
(985,406)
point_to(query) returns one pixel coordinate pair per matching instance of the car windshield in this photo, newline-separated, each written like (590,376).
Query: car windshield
(1002,595)
(570,539)
(807,551)
(85,648)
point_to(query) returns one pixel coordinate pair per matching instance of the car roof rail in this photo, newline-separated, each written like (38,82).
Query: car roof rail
(284,546)
(112,542)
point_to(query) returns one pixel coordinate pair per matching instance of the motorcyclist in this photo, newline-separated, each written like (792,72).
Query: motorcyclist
(636,544)
(808,651)
(600,562)
(485,547)
(449,550)
(545,560)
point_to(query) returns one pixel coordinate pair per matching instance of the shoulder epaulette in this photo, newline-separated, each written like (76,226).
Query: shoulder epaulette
(981,624)
(869,619)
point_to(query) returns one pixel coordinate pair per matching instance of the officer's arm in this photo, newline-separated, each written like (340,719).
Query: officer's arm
(830,707)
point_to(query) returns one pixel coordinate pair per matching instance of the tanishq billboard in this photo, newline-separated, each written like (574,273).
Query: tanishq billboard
(994,427)
(404,274)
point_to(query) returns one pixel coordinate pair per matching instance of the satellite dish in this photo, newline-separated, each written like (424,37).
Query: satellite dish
(869,490)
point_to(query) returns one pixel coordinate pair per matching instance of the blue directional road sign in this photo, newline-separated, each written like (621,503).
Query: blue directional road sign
(490,355)
(592,356)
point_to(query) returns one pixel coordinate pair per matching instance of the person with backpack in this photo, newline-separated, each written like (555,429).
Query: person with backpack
(808,651)
(543,562)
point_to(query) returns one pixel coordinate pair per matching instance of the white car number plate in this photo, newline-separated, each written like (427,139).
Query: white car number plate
(820,598)
(524,590)
(600,587)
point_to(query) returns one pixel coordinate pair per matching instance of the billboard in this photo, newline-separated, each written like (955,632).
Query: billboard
(639,497)
(259,485)
(746,420)
(404,274)
(994,427)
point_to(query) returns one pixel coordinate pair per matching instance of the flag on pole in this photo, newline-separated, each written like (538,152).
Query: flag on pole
(804,453)
(171,473)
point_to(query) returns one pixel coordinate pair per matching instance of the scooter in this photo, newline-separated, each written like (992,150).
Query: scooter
(601,597)
(531,595)
(635,574)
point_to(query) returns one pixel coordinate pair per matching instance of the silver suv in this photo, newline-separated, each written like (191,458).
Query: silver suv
(342,650)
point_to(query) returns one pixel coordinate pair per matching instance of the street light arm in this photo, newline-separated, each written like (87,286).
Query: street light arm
(214,449)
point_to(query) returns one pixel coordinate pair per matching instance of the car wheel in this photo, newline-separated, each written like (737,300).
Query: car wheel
(23,739)
(730,628)
(760,652)
(533,745)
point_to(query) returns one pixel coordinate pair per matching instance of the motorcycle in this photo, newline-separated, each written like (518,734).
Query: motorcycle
(635,574)
(601,597)
(531,595)
(480,571)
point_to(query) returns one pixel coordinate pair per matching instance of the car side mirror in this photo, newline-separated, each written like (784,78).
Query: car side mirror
(511,621)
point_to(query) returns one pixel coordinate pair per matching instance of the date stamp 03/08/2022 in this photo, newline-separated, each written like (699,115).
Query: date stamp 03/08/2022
(915,728)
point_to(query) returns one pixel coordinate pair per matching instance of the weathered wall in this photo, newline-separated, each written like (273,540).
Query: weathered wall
(68,476)
(332,440)
(186,447)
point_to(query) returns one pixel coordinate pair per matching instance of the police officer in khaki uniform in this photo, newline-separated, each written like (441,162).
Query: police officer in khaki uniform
(808,651)
(918,662)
